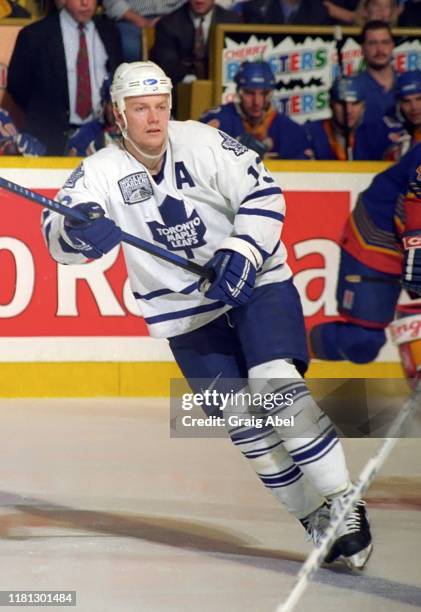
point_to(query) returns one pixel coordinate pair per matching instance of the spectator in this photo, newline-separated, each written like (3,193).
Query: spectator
(98,133)
(379,77)
(411,14)
(330,138)
(366,10)
(13,142)
(305,12)
(181,46)
(134,15)
(254,121)
(57,70)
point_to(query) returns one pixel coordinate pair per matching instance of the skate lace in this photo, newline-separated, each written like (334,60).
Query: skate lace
(353,522)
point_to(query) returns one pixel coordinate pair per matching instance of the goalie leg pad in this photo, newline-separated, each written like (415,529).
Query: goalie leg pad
(338,341)
(365,301)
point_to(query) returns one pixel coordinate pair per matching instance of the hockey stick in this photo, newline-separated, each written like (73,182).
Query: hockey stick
(139,243)
(369,472)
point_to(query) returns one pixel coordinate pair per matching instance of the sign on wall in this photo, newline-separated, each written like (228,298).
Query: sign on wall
(304,61)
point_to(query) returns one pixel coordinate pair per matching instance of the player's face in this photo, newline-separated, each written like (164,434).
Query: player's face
(201,7)
(82,11)
(411,108)
(255,102)
(147,121)
(378,48)
(354,113)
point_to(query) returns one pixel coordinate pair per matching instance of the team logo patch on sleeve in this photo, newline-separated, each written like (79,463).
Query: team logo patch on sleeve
(74,177)
(135,188)
(230,144)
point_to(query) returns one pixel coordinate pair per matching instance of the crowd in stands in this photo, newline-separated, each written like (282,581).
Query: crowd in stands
(60,69)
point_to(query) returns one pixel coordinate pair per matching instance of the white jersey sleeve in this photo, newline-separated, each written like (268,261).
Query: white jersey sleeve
(79,188)
(255,198)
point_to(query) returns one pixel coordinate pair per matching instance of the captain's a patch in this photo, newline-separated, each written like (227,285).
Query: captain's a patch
(74,177)
(135,188)
(230,144)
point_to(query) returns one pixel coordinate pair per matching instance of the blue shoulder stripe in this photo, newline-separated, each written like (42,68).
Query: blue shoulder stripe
(188,312)
(261,193)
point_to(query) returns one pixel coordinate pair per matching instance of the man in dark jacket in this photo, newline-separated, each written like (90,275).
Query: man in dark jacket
(182,39)
(48,63)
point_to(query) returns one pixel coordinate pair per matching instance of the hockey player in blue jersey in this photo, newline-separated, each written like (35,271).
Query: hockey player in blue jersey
(380,252)
(194,189)
(408,94)
(367,141)
(254,121)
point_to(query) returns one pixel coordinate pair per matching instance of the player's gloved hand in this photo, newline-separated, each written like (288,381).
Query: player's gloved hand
(252,143)
(93,237)
(7,127)
(29,146)
(234,265)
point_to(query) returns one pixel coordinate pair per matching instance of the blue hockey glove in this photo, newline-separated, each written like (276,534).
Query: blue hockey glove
(92,238)
(411,274)
(234,265)
(29,145)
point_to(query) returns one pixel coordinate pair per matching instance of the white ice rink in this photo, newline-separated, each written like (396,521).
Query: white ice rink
(96,497)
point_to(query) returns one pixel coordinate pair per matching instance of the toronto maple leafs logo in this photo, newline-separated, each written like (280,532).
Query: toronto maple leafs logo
(178,232)
(135,188)
(74,177)
(230,144)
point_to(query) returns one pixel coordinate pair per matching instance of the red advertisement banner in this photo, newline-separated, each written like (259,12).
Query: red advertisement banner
(41,298)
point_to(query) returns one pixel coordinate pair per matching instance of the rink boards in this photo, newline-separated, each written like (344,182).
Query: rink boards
(76,330)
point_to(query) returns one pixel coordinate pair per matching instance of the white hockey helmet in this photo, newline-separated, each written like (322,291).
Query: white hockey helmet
(138,79)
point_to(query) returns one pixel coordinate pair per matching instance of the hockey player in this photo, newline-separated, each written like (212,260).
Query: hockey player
(196,190)
(254,121)
(408,93)
(367,141)
(380,247)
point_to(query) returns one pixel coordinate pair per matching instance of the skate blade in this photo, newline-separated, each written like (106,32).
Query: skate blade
(359,560)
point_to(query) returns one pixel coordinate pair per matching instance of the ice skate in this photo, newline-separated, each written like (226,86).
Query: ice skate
(353,544)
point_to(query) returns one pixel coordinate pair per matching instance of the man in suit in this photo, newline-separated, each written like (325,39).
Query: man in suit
(182,39)
(44,77)
(286,12)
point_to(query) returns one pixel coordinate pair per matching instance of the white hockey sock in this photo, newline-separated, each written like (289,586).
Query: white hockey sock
(262,447)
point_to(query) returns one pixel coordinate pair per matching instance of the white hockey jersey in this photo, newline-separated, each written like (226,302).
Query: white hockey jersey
(210,187)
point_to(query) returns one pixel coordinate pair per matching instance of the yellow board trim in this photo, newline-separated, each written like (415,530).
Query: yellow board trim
(138,379)
(68,163)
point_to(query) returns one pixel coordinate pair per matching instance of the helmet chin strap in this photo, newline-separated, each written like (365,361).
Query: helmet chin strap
(155,157)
